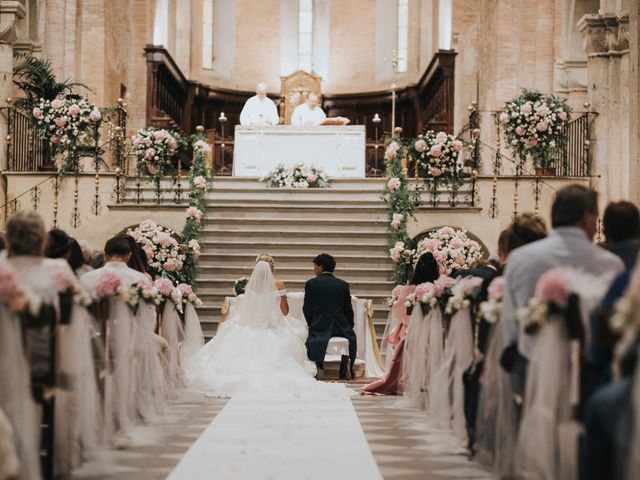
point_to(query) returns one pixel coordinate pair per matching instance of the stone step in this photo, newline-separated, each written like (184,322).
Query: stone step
(307,212)
(288,258)
(288,272)
(310,249)
(224,286)
(295,224)
(311,236)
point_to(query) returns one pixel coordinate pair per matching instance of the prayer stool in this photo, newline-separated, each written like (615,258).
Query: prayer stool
(338,352)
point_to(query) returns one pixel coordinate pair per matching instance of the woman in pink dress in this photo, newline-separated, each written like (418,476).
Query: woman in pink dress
(426,271)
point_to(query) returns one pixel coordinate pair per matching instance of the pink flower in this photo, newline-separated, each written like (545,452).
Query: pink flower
(459,261)
(504,117)
(392,151)
(194,213)
(164,238)
(469,284)
(61,121)
(203,147)
(393,184)
(396,221)
(532,142)
(185,289)
(148,225)
(195,246)
(441,137)
(420,146)
(159,135)
(443,283)
(526,108)
(520,131)
(457,145)
(396,251)
(37,113)
(553,287)
(543,110)
(436,172)
(56,104)
(200,182)
(456,243)
(148,251)
(108,284)
(424,290)
(74,110)
(8,283)
(496,288)
(562,115)
(95,116)
(150,153)
(164,286)
(542,126)
(173,144)
(447,231)
(192,297)
(54,139)
(435,150)
(170,265)
(64,279)
(312,178)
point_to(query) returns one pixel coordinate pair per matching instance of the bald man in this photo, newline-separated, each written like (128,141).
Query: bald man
(309,113)
(259,109)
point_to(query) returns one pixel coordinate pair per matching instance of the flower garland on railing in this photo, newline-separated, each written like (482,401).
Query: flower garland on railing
(66,123)
(296,176)
(535,125)
(401,202)
(196,213)
(437,156)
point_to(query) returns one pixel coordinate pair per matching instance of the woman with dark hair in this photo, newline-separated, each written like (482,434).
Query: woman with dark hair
(138,260)
(76,259)
(58,244)
(426,270)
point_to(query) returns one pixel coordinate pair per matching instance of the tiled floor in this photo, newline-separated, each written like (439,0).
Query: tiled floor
(403,444)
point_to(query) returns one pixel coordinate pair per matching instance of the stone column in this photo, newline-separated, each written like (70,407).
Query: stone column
(11,13)
(606,41)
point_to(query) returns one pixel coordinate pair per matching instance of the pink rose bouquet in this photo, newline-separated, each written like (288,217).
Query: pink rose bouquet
(438,156)
(108,284)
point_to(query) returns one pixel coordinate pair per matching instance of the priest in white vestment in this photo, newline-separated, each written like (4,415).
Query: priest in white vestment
(309,113)
(259,109)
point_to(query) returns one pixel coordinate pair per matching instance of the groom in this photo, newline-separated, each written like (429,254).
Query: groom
(327,309)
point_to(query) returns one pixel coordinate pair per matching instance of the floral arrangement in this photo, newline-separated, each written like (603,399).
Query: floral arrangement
(65,122)
(438,156)
(67,283)
(432,294)
(196,213)
(490,309)
(296,176)
(163,251)
(552,292)
(452,249)
(239,285)
(156,151)
(534,124)
(188,295)
(401,202)
(108,285)
(168,292)
(464,294)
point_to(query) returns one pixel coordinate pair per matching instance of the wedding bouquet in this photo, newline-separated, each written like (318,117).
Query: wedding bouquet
(452,249)
(438,155)
(296,176)
(156,151)
(163,251)
(534,124)
(239,285)
(64,122)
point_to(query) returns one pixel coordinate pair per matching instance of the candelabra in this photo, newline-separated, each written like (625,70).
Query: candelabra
(222,119)
(375,171)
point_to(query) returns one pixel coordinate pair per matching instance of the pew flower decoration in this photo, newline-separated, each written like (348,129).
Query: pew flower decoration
(188,295)
(65,122)
(164,253)
(168,292)
(67,283)
(490,309)
(156,151)
(452,249)
(108,285)
(464,294)
(552,291)
(438,156)
(193,213)
(298,175)
(141,291)
(534,125)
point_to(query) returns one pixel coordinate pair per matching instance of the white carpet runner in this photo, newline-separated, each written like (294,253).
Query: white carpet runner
(284,439)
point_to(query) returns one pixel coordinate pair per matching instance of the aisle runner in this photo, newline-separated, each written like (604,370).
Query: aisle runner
(283,439)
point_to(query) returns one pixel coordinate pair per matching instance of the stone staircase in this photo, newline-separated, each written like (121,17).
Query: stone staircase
(245,219)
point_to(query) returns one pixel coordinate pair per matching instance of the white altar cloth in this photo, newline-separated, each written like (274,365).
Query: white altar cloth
(368,350)
(339,150)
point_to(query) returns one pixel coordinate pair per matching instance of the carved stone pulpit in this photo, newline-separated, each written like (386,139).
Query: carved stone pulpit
(294,89)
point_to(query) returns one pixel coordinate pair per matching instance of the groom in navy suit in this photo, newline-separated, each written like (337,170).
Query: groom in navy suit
(328,311)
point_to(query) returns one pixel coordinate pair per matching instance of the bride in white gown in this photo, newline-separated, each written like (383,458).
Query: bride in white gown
(258,349)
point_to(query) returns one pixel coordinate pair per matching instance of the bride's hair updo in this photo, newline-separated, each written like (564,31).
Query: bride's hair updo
(265,257)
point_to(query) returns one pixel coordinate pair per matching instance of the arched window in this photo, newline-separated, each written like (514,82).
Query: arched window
(207,34)
(403,36)
(305,34)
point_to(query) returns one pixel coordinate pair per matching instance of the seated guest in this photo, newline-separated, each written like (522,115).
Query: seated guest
(309,113)
(138,260)
(574,217)
(58,244)
(621,225)
(76,259)
(118,252)
(426,271)
(97,259)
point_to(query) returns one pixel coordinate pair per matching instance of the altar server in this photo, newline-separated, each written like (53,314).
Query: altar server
(309,113)
(259,109)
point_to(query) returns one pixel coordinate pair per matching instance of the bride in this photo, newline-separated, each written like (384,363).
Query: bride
(259,348)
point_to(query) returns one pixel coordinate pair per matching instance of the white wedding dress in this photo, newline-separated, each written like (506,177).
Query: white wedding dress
(257,350)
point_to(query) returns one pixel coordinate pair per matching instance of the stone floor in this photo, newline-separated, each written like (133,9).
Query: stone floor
(403,444)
